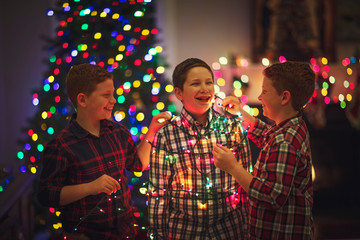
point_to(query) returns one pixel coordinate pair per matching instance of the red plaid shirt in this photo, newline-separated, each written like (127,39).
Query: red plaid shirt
(281,193)
(75,156)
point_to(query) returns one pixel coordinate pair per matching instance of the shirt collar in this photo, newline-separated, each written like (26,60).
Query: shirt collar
(80,132)
(290,121)
(188,120)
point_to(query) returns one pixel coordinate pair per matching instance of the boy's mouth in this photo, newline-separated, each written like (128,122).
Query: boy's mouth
(204,98)
(108,109)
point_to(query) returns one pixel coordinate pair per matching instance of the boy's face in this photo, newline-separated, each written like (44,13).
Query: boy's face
(198,91)
(270,100)
(100,102)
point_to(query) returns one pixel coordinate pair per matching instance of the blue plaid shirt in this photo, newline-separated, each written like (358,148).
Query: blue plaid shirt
(189,198)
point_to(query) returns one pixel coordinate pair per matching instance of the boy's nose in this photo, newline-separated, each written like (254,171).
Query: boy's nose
(113,99)
(204,88)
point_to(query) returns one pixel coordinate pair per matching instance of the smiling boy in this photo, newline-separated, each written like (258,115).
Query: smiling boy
(188,197)
(280,188)
(84,166)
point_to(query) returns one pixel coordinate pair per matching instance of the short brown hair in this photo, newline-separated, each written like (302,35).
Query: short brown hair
(83,78)
(181,70)
(296,77)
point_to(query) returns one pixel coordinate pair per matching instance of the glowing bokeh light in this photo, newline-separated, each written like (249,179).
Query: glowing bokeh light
(265,62)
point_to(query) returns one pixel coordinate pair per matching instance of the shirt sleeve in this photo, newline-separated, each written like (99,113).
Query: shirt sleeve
(272,186)
(53,175)
(159,177)
(244,155)
(132,161)
(256,135)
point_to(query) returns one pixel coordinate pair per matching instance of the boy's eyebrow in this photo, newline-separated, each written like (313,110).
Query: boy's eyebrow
(198,79)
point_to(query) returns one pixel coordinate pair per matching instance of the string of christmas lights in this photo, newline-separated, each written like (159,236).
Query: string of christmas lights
(172,158)
(118,35)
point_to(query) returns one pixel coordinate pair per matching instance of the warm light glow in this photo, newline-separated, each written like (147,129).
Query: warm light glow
(221,82)
(159,49)
(324,60)
(265,62)
(313,173)
(119,57)
(143,190)
(237,92)
(216,66)
(160,70)
(138,174)
(324,92)
(223,60)
(127,27)
(282,59)
(145,32)
(140,116)
(169,88)
(202,205)
(160,106)
(136,84)
(331,79)
(97,35)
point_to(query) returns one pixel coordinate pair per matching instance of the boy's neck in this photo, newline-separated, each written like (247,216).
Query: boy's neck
(201,118)
(286,114)
(92,127)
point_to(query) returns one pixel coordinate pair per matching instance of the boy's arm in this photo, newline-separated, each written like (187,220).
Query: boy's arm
(143,149)
(233,106)
(53,193)
(72,193)
(256,126)
(158,191)
(226,161)
(272,188)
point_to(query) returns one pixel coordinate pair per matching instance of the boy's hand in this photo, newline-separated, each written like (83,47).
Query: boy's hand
(232,104)
(158,121)
(224,158)
(235,107)
(105,184)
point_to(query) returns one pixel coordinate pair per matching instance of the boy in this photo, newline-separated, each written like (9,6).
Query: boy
(84,166)
(188,197)
(280,189)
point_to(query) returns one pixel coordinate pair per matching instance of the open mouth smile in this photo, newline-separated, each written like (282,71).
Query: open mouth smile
(204,98)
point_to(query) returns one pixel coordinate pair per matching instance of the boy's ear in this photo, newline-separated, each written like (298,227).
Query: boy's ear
(178,93)
(81,100)
(286,98)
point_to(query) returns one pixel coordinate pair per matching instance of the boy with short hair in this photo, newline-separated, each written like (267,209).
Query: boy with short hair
(280,189)
(84,166)
(189,198)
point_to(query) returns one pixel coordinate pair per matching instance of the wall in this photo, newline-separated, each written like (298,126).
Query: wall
(207,29)
(21,67)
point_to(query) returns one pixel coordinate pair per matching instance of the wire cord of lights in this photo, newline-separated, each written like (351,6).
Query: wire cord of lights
(210,192)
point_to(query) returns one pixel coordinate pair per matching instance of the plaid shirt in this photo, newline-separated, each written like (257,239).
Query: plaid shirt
(189,198)
(75,156)
(281,193)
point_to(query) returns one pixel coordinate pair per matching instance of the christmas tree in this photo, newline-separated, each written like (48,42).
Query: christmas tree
(120,36)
